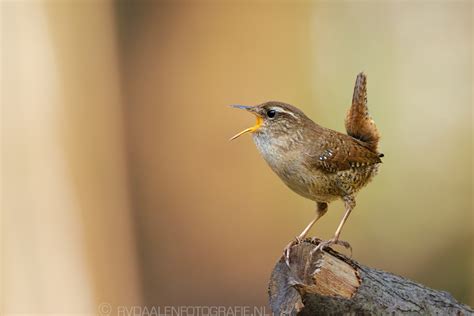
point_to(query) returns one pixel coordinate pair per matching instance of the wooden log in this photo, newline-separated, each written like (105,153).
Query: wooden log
(329,283)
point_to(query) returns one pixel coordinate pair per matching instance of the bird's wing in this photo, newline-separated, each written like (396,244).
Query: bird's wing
(342,153)
(358,122)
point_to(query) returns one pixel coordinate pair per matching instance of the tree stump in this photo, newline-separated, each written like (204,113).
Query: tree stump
(329,283)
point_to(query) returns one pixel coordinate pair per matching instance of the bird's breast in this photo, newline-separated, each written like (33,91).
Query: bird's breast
(287,161)
(280,154)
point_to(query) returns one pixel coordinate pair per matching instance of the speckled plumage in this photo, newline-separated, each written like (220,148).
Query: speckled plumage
(316,162)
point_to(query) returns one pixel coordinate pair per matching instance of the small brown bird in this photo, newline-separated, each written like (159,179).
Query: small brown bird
(315,162)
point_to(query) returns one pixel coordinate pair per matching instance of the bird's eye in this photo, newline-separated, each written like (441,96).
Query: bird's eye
(271,113)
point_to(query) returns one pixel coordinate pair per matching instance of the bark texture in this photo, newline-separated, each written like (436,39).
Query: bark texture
(329,283)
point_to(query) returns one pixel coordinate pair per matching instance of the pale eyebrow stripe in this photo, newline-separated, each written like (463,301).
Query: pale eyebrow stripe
(278,109)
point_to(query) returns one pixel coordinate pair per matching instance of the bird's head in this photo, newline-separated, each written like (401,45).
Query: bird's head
(273,118)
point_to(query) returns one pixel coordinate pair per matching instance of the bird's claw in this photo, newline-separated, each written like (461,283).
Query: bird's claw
(325,244)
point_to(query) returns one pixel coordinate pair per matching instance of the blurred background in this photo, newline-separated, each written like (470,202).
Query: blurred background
(119,184)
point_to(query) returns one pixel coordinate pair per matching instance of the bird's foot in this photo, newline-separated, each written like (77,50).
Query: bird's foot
(287,250)
(332,241)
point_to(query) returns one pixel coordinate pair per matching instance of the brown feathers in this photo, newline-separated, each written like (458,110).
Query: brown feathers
(338,152)
(358,122)
(316,162)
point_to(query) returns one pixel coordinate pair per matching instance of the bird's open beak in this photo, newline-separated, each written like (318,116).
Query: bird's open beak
(250,129)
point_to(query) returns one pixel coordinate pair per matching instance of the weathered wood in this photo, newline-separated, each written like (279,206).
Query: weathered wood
(329,283)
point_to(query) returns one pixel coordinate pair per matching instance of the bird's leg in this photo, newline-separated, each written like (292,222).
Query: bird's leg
(321,209)
(349,203)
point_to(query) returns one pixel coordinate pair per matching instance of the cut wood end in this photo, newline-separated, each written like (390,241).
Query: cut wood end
(334,277)
(322,273)
(329,283)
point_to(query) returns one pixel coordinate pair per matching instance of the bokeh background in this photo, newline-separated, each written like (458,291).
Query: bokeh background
(119,184)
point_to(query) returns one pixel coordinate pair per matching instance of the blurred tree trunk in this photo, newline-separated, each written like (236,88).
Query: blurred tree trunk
(67,227)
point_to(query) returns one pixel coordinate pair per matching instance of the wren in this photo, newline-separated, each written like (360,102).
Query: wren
(316,162)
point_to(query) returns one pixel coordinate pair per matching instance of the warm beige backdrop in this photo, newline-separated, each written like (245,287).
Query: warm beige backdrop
(118,179)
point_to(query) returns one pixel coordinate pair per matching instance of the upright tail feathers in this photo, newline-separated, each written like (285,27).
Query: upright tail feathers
(358,122)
